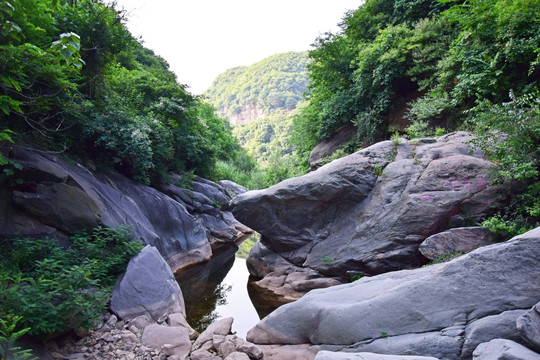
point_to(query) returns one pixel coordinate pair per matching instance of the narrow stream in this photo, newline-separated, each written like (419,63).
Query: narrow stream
(218,289)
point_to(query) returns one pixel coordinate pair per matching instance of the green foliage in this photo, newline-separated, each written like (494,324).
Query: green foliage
(338,154)
(8,336)
(54,289)
(445,257)
(509,133)
(246,245)
(74,79)
(277,82)
(267,156)
(418,129)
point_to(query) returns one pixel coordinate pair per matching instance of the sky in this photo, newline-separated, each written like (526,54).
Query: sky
(200,39)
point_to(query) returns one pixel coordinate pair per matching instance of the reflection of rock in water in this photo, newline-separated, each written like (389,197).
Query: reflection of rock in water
(202,288)
(264,301)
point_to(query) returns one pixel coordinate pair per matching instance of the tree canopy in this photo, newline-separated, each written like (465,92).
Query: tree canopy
(74,79)
(277,82)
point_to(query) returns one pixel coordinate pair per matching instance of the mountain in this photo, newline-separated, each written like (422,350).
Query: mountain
(246,93)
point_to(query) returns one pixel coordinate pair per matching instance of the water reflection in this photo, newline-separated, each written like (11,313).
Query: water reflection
(202,288)
(218,289)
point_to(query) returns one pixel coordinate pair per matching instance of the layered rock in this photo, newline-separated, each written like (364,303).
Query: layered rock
(367,213)
(55,198)
(442,310)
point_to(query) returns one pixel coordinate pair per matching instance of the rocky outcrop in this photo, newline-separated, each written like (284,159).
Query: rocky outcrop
(430,311)
(244,114)
(367,213)
(528,325)
(55,198)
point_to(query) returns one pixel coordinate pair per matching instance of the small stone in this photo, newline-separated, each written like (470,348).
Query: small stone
(112,321)
(237,356)
(90,342)
(162,319)
(57,355)
(107,337)
(225,348)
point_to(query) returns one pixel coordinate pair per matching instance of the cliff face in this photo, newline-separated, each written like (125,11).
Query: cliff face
(244,115)
(54,198)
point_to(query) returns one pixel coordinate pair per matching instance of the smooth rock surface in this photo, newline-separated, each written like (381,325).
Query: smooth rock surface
(418,312)
(501,349)
(148,287)
(328,355)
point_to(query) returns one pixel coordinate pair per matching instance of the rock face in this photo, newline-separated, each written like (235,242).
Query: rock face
(148,287)
(461,240)
(367,213)
(56,198)
(430,311)
(329,146)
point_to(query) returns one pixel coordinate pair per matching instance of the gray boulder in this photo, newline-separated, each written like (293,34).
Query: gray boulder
(368,213)
(148,287)
(423,312)
(528,326)
(460,240)
(501,349)
(500,326)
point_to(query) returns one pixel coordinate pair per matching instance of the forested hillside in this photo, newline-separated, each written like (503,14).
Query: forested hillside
(408,67)
(246,93)
(74,80)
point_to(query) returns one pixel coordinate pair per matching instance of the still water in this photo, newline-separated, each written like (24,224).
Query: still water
(216,290)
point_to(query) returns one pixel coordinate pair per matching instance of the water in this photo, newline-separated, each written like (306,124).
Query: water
(218,289)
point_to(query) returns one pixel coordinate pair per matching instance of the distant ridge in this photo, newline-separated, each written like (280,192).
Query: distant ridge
(246,93)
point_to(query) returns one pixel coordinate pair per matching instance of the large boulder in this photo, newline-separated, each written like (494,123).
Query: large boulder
(367,213)
(57,198)
(148,287)
(427,311)
(457,240)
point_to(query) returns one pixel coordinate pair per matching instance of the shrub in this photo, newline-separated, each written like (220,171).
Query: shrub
(54,289)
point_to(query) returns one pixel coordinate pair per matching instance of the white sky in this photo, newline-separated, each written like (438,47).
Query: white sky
(200,39)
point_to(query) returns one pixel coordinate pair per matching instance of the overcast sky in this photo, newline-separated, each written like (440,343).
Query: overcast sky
(200,39)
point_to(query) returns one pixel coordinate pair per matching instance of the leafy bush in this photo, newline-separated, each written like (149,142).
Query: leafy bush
(54,289)
(509,133)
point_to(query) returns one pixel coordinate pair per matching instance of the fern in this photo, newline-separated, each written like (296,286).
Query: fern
(8,337)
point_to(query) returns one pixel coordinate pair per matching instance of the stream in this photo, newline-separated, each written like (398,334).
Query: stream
(218,289)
